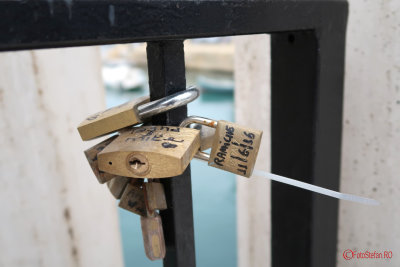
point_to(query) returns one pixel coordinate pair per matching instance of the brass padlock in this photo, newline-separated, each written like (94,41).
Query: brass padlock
(155,196)
(91,155)
(234,147)
(117,186)
(150,152)
(133,200)
(131,113)
(153,236)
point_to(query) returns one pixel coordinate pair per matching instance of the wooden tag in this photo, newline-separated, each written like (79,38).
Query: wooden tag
(117,186)
(155,196)
(133,200)
(150,151)
(235,148)
(111,120)
(153,237)
(91,155)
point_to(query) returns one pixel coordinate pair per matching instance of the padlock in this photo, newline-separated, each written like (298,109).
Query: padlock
(91,155)
(150,152)
(131,113)
(133,200)
(153,236)
(117,186)
(155,196)
(234,148)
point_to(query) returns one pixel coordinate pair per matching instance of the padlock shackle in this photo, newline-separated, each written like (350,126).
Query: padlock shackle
(167,103)
(202,155)
(202,121)
(199,120)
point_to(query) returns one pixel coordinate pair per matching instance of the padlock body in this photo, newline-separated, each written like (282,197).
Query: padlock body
(150,152)
(133,200)
(91,155)
(153,237)
(155,196)
(117,186)
(235,148)
(112,119)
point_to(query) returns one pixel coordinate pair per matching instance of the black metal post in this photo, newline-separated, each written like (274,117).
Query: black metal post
(166,65)
(306,125)
(292,109)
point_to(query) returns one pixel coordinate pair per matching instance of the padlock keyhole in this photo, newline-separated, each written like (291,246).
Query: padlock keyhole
(136,163)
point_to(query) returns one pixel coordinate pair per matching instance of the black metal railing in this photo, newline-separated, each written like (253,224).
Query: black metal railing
(308,48)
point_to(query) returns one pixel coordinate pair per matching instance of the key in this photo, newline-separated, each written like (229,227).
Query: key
(153,236)
(234,147)
(155,196)
(150,152)
(131,113)
(91,155)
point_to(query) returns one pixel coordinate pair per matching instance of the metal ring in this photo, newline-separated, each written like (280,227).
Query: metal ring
(199,120)
(203,121)
(202,155)
(167,103)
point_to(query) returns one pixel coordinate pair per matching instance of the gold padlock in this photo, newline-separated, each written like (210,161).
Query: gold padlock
(234,147)
(117,186)
(153,236)
(91,155)
(150,152)
(155,196)
(132,113)
(133,200)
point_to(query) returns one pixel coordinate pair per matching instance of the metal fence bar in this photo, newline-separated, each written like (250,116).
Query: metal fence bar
(306,103)
(166,66)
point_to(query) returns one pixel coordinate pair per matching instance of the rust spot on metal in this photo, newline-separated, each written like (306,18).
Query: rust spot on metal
(212,124)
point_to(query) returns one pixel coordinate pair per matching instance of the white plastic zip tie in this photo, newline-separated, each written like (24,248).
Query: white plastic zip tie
(314,188)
